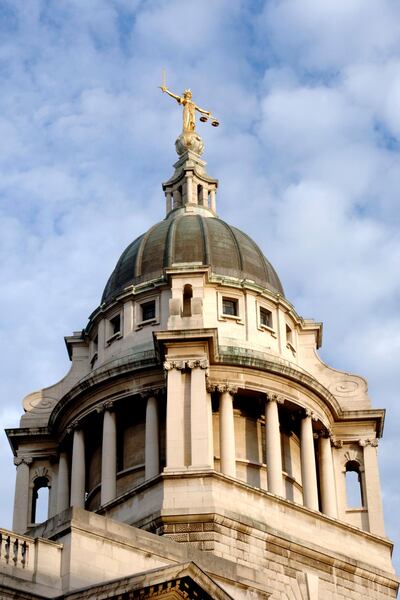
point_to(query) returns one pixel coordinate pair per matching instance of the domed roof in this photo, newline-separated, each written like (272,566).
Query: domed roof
(191,240)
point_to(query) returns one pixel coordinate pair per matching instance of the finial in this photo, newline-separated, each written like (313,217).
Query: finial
(189,138)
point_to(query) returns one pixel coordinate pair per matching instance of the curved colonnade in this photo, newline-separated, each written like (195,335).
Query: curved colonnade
(264,438)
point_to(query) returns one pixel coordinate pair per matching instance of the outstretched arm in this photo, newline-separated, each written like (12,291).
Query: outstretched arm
(202,110)
(166,90)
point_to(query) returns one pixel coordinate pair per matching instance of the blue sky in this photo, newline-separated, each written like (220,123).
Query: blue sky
(307,155)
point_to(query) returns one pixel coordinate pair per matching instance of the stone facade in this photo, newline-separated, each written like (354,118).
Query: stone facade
(198,447)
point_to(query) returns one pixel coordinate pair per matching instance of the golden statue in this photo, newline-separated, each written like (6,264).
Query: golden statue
(189,110)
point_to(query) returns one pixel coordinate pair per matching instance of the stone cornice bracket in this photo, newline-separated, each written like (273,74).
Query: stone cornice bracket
(272,397)
(174,364)
(19,460)
(374,443)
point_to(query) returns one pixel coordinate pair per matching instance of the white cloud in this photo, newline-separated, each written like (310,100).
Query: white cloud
(307,156)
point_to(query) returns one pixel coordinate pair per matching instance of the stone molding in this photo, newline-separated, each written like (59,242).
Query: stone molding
(26,460)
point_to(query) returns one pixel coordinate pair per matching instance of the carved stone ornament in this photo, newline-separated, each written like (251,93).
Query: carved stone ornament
(336,443)
(222,387)
(310,413)
(374,443)
(174,364)
(151,393)
(273,397)
(351,456)
(197,364)
(19,460)
(41,472)
(39,402)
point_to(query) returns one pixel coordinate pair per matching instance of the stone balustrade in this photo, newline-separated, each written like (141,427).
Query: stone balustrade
(15,550)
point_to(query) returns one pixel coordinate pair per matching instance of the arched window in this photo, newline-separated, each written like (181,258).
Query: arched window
(200,195)
(187,300)
(40,500)
(354,491)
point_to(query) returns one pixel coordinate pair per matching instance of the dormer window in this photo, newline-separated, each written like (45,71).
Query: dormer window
(230,307)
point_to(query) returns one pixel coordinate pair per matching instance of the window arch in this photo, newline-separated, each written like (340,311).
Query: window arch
(40,499)
(354,488)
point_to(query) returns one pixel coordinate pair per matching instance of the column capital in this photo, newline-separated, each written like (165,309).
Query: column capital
(273,397)
(74,426)
(109,405)
(222,387)
(197,364)
(368,442)
(336,443)
(307,412)
(19,460)
(174,364)
(151,393)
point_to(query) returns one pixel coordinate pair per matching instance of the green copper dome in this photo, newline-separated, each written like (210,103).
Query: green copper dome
(191,240)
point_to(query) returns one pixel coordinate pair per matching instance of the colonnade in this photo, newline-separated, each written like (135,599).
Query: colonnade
(189,444)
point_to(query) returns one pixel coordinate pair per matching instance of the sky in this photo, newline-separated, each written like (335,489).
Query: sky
(307,155)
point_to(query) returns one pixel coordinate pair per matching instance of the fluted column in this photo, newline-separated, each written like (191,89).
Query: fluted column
(21,498)
(152,449)
(63,483)
(78,472)
(372,486)
(327,477)
(212,200)
(199,415)
(175,433)
(308,467)
(109,455)
(227,447)
(273,445)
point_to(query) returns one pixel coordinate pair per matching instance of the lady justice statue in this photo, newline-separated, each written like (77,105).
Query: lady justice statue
(189,139)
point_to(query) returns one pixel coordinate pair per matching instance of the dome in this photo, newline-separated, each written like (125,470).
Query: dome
(192,240)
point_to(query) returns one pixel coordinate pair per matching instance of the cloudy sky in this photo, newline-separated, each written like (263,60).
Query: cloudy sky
(307,154)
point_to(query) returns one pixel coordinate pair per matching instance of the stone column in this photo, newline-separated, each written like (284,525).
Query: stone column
(78,474)
(373,498)
(205,196)
(109,455)
(199,415)
(152,448)
(21,498)
(175,427)
(168,202)
(210,429)
(273,445)
(327,477)
(308,468)
(63,483)
(227,447)
(189,188)
(212,201)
